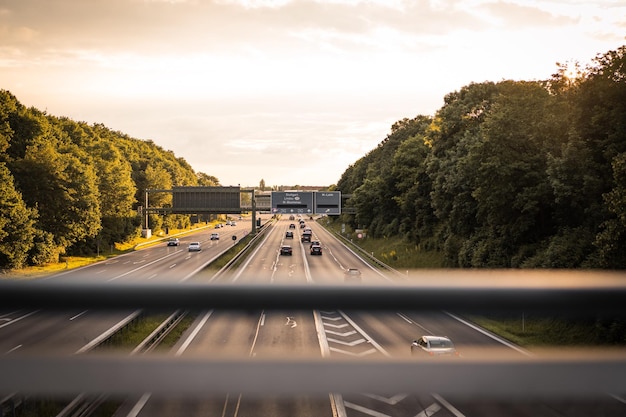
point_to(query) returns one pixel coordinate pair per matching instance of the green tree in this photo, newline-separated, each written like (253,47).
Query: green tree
(16,223)
(64,191)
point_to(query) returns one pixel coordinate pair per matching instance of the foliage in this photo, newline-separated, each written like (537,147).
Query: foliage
(507,174)
(67,187)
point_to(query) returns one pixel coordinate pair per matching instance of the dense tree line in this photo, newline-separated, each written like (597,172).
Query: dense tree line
(67,187)
(507,174)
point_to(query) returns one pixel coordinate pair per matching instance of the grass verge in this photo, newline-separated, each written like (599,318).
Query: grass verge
(393,251)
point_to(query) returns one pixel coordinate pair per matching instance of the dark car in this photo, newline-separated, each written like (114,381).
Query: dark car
(306,237)
(292,225)
(315,243)
(285,250)
(316,250)
(289,235)
(173,242)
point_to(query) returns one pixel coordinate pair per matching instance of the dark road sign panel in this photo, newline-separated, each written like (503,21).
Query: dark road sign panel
(292,202)
(328,202)
(221,200)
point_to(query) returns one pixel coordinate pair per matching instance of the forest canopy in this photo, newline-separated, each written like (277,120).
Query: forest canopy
(67,187)
(522,174)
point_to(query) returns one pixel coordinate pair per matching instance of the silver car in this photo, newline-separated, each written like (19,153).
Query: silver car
(194,247)
(433,346)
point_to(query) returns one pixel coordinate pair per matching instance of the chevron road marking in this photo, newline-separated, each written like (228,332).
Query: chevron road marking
(341,334)
(341,342)
(367,352)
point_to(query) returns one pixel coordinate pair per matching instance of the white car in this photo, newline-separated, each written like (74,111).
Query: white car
(433,346)
(215,236)
(194,247)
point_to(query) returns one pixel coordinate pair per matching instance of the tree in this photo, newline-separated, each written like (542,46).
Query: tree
(64,191)
(16,223)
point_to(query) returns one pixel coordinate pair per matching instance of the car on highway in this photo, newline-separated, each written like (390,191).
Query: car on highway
(219,226)
(289,235)
(173,241)
(194,247)
(315,242)
(215,236)
(292,225)
(306,237)
(233,223)
(286,250)
(352,275)
(316,250)
(433,346)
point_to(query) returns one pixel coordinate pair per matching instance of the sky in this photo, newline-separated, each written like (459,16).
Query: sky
(290,92)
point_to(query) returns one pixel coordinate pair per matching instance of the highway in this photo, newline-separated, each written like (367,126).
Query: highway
(267,334)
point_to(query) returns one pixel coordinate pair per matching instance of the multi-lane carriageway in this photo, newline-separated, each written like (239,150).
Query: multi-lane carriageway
(298,334)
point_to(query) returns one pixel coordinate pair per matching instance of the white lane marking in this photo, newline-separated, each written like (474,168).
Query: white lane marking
(13,350)
(618,398)
(244,267)
(336,326)
(193,334)
(410,321)
(390,401)
(491,335)
(341,342)
(291,322)
(78,315)
(140,404)
(448,406)
(145,397)
(344,352)
(364,410)
(358,329)
(350,333)
(143,266)
(18,319)
(95,342)
(430,410)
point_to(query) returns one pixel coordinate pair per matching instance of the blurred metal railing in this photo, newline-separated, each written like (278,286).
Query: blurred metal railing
(555,373)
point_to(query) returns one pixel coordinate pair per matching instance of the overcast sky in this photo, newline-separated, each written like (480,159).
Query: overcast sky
(289,91)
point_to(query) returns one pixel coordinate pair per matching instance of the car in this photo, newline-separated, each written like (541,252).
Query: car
(316,250)
(233,223)
(228,223)
(302,225)
(173,241)
(292,217)
(315,243)
(286,250)
(292,226)
(218,226)
(433,346)
(215,236)
(352,275)
(194,247)
(289,235)
(306,237)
